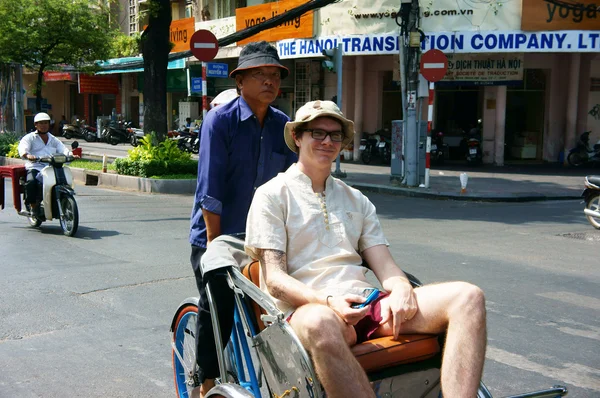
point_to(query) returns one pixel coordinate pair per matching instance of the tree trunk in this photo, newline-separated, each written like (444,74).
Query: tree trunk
(155,50)
(38,89)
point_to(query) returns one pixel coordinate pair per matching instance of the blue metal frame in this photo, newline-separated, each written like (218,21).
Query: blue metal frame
(238,338)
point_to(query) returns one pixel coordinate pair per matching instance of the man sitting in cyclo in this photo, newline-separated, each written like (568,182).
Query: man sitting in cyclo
(311,232)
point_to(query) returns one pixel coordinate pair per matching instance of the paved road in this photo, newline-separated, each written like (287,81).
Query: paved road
(89,316)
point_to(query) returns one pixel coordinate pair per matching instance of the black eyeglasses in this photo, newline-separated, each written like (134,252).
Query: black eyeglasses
(318,134)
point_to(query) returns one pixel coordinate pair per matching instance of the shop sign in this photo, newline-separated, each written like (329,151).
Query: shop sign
(379,16)
(515,41)
(57,76)
(214,69)
(196,85)
(299,27)
(484,69)
(180,33)
(560,15)
(98,84)
(351,45)
(468,15)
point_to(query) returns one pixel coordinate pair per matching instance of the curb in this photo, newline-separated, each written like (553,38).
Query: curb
(419,193)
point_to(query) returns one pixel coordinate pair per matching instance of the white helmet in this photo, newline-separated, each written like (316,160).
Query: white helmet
(40,117)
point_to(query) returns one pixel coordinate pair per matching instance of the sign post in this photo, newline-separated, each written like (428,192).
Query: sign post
(434,65)
(204,46)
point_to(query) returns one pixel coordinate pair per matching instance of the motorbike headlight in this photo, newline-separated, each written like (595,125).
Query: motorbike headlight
(59,158)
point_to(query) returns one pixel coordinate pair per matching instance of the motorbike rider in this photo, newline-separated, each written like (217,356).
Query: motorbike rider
(37,144)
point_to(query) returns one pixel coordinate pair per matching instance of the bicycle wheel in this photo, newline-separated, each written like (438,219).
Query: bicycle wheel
(184,351)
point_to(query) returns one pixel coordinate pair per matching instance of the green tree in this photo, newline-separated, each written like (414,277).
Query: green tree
(50,34)
(155,50)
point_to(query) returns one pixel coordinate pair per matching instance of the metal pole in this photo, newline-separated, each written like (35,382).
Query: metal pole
(338,65)
(429,122)
(189,81)
(204,89)
(412,135)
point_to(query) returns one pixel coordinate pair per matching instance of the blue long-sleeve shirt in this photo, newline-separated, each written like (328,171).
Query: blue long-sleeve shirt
(236,156)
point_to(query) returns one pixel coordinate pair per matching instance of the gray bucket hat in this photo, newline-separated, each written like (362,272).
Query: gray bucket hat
(311,111)
(257,54)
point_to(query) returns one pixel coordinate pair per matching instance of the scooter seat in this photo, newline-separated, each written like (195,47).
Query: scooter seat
(594,180)
(375,354)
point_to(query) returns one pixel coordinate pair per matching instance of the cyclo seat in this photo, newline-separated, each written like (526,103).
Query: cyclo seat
(375,354)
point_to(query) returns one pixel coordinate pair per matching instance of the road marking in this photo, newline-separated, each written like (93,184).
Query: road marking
(571,373)
(575,299)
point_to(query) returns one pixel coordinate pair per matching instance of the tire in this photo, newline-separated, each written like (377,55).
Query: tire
(133,141)
(90,137)
(33,220)
(593,203)
(114,140)
(67,135)
(69,222)
(575,159)
(184,344)
(366,156)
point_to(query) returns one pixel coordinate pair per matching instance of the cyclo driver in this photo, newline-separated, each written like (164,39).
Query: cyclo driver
(38,144)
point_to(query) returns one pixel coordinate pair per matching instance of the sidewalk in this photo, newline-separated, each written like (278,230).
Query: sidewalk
(513,183)
(520,183)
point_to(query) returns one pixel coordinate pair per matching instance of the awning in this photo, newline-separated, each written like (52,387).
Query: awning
(175,64)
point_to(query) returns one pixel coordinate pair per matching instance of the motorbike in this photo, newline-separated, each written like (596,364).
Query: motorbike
(591,197)
(57,199)
(116,132)
(264,356)
(438,149)
(375,146)
(135,135)
(188,139)
(583,154)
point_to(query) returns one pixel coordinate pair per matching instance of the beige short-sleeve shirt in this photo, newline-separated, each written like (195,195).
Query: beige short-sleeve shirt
(321,234)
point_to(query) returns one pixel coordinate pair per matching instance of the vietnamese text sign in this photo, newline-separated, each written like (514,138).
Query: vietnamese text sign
(299,27)
(484,68)
(196,85)
(56,76)
(560,15)
(217,70)
(469,15)
(98,84)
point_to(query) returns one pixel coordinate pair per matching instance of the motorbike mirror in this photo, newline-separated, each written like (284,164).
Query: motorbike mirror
(74,145)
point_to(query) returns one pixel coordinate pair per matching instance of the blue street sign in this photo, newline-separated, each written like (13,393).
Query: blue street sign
(216,70)
(196,85)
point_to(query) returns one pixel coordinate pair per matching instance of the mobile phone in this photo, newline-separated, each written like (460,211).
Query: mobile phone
(371,294)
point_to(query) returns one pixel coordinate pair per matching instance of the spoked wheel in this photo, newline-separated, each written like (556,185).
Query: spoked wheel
(593,204)
(184,351)
(69,220)
(33,220)
(575,159)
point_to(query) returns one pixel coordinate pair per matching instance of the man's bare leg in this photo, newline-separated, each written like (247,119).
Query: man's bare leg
(203,389)
(459,308)
(322,332)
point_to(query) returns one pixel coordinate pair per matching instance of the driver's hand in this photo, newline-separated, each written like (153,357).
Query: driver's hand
(77,156)
(30,157)
(341,306)
(400,306)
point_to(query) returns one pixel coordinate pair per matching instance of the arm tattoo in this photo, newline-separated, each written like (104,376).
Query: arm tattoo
(276,258)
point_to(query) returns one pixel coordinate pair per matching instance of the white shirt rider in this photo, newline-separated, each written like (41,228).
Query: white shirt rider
(33,144)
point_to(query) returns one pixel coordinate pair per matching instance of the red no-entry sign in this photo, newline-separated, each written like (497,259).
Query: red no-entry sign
(434,65)
(204,45)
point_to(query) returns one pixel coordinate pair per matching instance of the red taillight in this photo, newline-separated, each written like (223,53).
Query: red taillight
(472,143)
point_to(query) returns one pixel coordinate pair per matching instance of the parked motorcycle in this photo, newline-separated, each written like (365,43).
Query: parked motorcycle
(583,154)
(135,135)
(57,200)
(375,146)
(438,149)
(115,133)
(188,139)
(591,196)
(74,130)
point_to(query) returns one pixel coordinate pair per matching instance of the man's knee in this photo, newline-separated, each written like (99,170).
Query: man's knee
(470,300)
(318,327)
